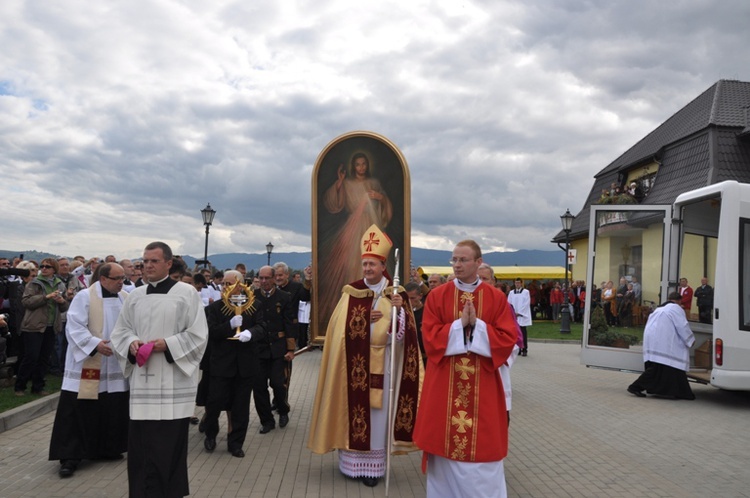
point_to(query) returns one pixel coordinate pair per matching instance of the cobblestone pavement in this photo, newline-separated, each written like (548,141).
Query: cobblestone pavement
(575,432)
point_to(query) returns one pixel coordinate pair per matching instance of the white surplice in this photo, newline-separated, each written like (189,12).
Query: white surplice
(81,342)
(521,303)
(667,337)
(161,390)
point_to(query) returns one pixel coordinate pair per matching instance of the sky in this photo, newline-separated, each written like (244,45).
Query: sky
(121,120)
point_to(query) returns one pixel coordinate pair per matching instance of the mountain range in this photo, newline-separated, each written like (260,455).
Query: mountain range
(299,260)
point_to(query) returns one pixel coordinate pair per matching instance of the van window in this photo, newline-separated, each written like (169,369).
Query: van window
(744,274)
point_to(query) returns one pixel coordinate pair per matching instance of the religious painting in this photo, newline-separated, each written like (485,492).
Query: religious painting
(360,178)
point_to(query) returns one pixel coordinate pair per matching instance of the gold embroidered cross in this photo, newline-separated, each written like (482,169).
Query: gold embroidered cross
(464,369)
(371,241)
(462,421)
(467,296)
(90,374)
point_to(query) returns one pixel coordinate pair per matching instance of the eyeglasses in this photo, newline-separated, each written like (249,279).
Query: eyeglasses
(121,277)
(455,261)
(46,266)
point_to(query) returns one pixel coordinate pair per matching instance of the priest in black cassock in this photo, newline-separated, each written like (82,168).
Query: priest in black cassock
(92,415)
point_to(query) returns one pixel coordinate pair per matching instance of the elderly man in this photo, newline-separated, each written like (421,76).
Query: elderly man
(435,280)
(159,339)
(469,332)
(299,291)
(704,296)
(92,415)
(275,352)
(352,401)
(667,339)
(232,324)
(129,269)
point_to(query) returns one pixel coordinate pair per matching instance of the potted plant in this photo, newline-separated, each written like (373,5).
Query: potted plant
(615,339)
(601,335)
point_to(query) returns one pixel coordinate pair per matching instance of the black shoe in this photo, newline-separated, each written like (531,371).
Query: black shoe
(523,352)
(209,443)
(633,390)
(68,468)
(237,453)
(195,421)
(283,420)
(267,428)
(370,482)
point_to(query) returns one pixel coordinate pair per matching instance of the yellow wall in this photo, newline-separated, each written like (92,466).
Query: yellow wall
(602,263)
(609,261)
(639,172)
(582,256)
(691,260)
(653,240)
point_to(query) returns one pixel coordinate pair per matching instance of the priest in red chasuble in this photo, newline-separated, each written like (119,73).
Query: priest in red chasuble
(351,403)
(468,332)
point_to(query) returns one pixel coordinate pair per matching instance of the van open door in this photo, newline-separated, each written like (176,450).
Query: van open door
(714,242)
(626,278)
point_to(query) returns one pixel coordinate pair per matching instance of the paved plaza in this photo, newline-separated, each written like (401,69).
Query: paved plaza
(575,432)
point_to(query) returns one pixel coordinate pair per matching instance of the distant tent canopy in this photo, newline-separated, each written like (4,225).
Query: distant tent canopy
(506,272)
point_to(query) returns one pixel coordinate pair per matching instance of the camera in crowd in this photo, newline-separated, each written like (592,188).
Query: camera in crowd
(10,272)
(17,272)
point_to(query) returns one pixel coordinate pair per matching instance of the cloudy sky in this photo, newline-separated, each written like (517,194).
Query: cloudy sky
(120,120)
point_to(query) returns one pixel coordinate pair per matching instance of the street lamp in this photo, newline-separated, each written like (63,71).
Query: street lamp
(567,223)
(208,218)
(269,250)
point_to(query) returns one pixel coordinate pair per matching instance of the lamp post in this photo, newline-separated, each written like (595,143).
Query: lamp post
(269,250)
(208,218)
(567,223)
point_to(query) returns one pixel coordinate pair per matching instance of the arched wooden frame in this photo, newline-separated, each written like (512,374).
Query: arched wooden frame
(389,167)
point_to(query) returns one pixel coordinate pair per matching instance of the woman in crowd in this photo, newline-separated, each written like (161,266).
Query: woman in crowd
(43,300)
(609,303)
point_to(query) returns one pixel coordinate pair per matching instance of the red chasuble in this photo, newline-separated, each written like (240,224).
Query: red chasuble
(463,394)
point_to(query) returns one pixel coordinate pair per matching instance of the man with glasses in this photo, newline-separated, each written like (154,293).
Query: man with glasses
(92,415)
(468,332)
(159,339)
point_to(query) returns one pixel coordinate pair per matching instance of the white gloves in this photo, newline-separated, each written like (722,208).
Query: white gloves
(236,321)
(245,335)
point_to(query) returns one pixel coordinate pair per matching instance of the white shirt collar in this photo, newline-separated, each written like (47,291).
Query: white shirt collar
(159,281)
(464,287)
(377,288)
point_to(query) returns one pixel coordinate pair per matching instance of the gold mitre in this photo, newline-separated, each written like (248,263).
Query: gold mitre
(375,244)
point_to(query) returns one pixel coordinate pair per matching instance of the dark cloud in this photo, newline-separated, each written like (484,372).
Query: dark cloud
(119,123)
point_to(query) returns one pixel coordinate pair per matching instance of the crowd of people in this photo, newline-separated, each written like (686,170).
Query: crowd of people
(141,343)
(130,338)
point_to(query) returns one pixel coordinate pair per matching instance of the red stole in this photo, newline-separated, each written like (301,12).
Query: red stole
(361,379)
